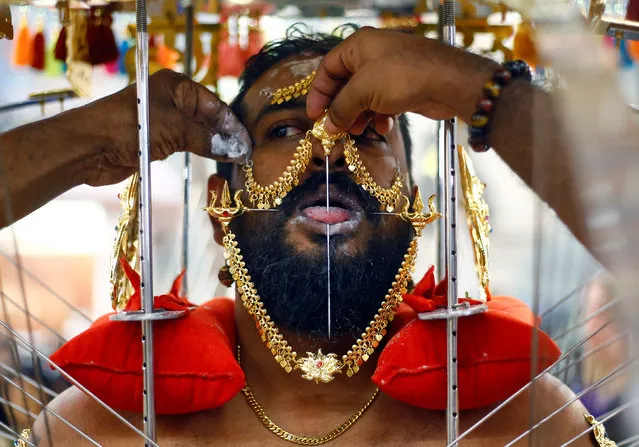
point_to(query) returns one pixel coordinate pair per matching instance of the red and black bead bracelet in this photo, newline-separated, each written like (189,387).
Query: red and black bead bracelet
(480,121)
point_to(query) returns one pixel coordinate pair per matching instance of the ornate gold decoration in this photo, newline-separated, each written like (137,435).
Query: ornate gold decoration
(319,367)
(364,347)
(296,439)
(293,91)
(599,431)
(328,140)
(417,218)
(265,197)
(24,439)
(387,197)
(477,217)
(226,212)
(126,244)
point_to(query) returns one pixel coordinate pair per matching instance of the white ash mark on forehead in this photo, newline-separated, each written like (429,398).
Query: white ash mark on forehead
(298,68)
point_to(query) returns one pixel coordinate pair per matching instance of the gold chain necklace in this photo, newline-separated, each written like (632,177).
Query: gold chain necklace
(318,366)
(296,439)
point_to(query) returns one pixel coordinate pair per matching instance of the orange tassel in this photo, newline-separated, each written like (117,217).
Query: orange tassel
(38,49)
(22,51)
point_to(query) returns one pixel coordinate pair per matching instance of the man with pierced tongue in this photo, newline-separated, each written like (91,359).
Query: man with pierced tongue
(285,253)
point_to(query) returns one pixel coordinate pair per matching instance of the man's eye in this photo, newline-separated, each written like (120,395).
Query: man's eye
(285,131)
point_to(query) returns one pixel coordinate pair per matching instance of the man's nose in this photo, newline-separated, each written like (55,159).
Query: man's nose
(336,159)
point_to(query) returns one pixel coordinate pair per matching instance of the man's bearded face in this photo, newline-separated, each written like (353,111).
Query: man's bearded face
(285,251)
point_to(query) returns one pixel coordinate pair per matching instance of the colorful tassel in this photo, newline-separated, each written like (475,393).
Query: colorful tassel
(60,51)
(625,59)
(124,48)
(38,49)
(22,50)
(100,38)
(52,66)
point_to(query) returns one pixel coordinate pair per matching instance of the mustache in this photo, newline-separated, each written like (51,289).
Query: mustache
(341,181)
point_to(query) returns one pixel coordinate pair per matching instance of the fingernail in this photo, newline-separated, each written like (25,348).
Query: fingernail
(230,146)
(330,127)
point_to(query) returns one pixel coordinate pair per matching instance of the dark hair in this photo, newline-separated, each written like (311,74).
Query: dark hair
(299,40)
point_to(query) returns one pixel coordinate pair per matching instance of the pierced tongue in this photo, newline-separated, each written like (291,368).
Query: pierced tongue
(333,215)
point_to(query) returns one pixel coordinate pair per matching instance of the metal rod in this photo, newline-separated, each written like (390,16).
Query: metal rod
(15,433)
(82,388)
(36,319)
(146,254)
(570,294)
(591,352)
(27,379)
(328,249)
(441,200)
(18,408)
(590,317)
(53,97)
(592,387)
(46,287)
(48,410)
(188,171)
(499,407)
(448,151)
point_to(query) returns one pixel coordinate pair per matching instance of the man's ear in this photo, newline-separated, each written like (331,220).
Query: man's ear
(216,183)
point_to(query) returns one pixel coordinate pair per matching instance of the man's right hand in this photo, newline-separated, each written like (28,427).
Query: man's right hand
(184,116)
(376,73)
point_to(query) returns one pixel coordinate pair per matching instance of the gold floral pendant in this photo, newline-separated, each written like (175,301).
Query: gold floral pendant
(320,367)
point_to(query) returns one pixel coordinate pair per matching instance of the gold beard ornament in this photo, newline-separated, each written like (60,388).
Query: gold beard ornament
(318,367)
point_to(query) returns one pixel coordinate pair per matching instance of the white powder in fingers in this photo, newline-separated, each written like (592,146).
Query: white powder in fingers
(231,140)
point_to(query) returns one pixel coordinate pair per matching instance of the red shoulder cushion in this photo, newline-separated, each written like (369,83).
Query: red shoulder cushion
(493,356)
(195,365)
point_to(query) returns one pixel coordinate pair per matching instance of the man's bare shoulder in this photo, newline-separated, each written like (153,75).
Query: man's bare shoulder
(535,406)
(83,413)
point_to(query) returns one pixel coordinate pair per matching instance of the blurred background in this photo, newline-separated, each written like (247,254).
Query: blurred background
(64,248)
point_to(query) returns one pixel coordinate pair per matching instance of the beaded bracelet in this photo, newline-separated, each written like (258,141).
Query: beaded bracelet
(480,121)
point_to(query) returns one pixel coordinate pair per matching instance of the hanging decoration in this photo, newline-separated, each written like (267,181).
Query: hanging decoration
(60,51)
(38,48)
(100,38)
(53,66)
(22,50)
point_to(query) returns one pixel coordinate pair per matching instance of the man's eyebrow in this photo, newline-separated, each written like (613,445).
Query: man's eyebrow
(298,103)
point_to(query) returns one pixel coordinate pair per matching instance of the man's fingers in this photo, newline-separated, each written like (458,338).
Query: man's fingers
(334,70)
(228,139)
(351,101)
(383,123)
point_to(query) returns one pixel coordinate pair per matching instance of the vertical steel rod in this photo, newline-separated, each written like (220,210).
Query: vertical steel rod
(186,212)
(441,201)
(146,255)
(448,151)
(328,249)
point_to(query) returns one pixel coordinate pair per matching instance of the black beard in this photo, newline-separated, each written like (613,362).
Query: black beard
(293,287)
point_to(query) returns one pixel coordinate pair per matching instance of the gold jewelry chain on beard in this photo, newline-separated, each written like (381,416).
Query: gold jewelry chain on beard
(300,440)
(318,366)
(270,196)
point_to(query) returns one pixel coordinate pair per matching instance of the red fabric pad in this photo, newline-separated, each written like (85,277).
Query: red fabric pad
(493,356)
(195,365)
